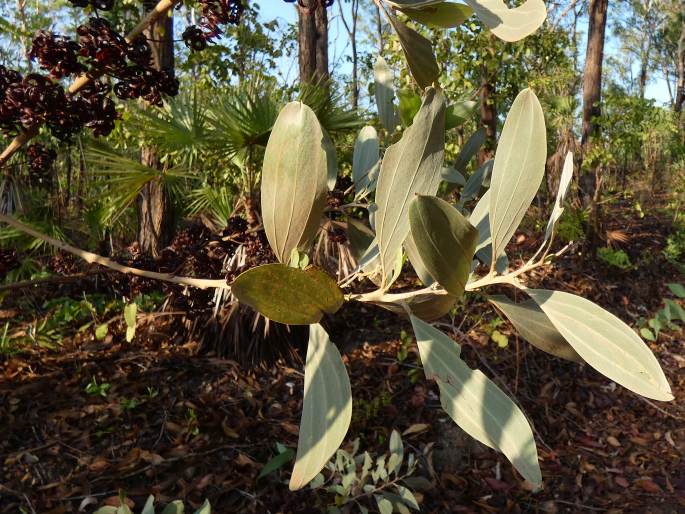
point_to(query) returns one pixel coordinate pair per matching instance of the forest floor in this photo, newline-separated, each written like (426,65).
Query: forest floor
(83,421)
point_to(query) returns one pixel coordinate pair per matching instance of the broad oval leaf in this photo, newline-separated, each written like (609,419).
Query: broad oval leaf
(365,160)
(442,15)
(604,342)
(294,180)
(419,53)
(385,94)
(475,403)
(288,295)
(518,168)
(446,241)
(411,166)
(416,261)
(535,327)
(326,410)
(510,24)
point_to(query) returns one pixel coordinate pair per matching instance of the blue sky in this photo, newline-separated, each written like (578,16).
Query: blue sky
(286,13)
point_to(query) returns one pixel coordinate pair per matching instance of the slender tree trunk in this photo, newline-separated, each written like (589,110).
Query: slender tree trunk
(644,65)
(592,94)
(313,41)
(379,29)
(488,112)
(155,210)
(351,29)
(680,68)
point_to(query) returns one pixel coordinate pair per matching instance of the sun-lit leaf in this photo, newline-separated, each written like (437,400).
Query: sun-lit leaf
(425,306)
(385,94)
(327,408)
(510,24)
(130,313)
(442,15)
(408,497)
(605,342)
(205,508)
(410,103)
(288,295)
(445,239)
(294,180)
(366,160)
(418,52)
(535,327)
(384,505)
(558,208)
(518,168)
(411,166)
(475,403)
(396,451)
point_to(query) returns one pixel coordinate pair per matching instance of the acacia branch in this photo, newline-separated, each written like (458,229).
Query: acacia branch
(162,7)
(93,258)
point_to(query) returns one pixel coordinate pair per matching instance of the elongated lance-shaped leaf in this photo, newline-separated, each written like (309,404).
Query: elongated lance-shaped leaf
(475,403)
(331,160)
(535,327)
(366,160)
(558,209)
(518,169)
(327,408)
(510,24)
(469,150)
(604,342)
(418,52)
(480,218)
(385,94)
(294,180)
(288,295)
(411,166)
(446,241)
(475,182)
(442,15)
(427,306)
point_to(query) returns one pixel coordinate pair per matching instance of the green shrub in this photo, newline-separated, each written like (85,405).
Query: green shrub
(616,258)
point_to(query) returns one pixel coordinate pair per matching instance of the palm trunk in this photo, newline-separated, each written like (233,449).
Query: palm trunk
(155,210)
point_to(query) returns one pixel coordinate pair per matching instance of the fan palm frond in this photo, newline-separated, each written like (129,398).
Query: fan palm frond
(125,177)
(241,118)
(179,128)
(328,108)
(218,202)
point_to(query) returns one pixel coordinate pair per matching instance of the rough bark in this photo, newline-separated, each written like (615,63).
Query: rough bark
(313,41)
(592,94)
(155,212)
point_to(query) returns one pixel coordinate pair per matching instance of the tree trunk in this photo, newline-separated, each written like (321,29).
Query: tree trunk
(680,68)
(351,29)
(155,210)
(592,94)
(313,41)
(488,113)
